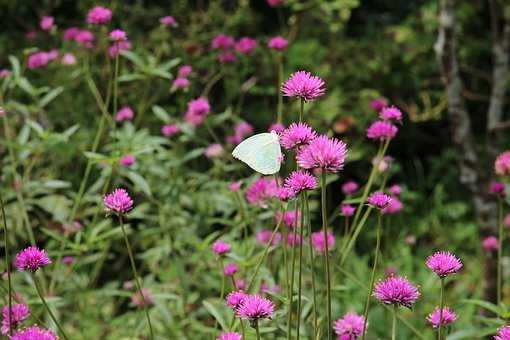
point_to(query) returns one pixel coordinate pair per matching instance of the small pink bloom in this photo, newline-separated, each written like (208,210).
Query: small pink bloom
(300,180)
(319,244)
(395,190)
(381,130)
(263,237)
(168,21)
(490,243)
(262,190)
(198,109)
(4,73)
(383,164)
(503,333)
(347,210)
(70,33)
(290,218)
(379,103)
(213,150)
(294,239)
(278,43)
(275,3)
(85,39)
(304,85)
(143,299)
(234,299)
(396,290)
(240,284)
(229,336)
(245,45)
(502,164)
(350,326)
(68,260)
(235,186)
(443,263)
(220,248)
(393,207)
(38,60)
(390,113)
(31,258)
(222,41)
(117,47)
(118,201)
(349,188)
(284,194)
(379,200)
(170,130)
(31,35)
(125,113)
(2,112)
(118,35)
(99,16)
(254,307)
(68,59)
(506,221)
(445,318)
(227,57)
(13,318)
(184,71)
(47,23)
(34,333)
(230,269)
(497,188)
(276,127)
(324,153)
(297,135)
(127,160)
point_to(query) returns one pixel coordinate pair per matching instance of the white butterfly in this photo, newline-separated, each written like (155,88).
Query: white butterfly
(261,152)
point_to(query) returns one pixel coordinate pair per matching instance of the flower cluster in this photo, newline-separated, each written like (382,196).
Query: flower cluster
(118,201)
(261,191)
(323,153)
(350,326)
(396,290)
(318,241)
(304,85)
(34,333)
(19,313)
(198,109)
(32,258)
(502,164)
(297,135)
(220,248)
(443,263)
(448,317)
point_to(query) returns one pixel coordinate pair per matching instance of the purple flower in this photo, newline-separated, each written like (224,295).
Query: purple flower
(118,35)
(227,57)
(502,164)
(180,83)
(68,260)
(284,194)
(19,312)
(393,207)
(290,218)
(390,113)
(85,38)
(264,236)
(276,127)
(278,43)
(229,336)
(38,60)
(503,333)
(168,21)
(68,59)
(234,299)
(198,109)
(213,150)
(381,130)
(70,33)
(241,131)
(300,180)
(497,188)
(379,103)
(235,186)
(34,333)
(506,220)
(143,298)
(347,210)
(99,16)
(261,191)
(220,248)
(350,326)
(125,113)
(31,258)
(240,284)
(275,3)
(396,290)
(379,200)
(47,23)
(169,130)
(254,307)
(118,201)
(245,45)
(4,73)
(382,164)
(447,318)
(222,42)
(443,263)
(304,85)
(230,269)
(184,71)
(318,241)
(296,135)
(324,153)
(127,160)
(294,239)
(395,190)
(118,47)
(349,188)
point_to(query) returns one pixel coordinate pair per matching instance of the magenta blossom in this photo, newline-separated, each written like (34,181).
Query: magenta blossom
(503,333)
(381,130)
(118,201)
(180,83)
(490,243)
(254,307)
(443,263)
(31,35)
(18,313)
(300,180)
(395,206)
(304,85)
(294,239)
(117,47)
(4,73)
(229,336)
(30,259)
(235,298)
(118,35)
(198,109)
(497,188)
(290,218)
(127,160)
(38,60)
(213,150)
(318,241)
(383,164)
(2,112)
(240,284)
(275,3)
(184,71)
(263,237)
(395,190)
(324,153)
(241,131)
(502,164)
(379,200)
(85,39)
(68,59)
(285,194)
(143,298)
(222,42)
(448,317)
(379,103)
(70,33)
(34,333)
(390,113)
(227,57)
(220,248)
(262,190)
(99,16)
(297,135)
(350,326)
(396,290)
(276,127)
(169,130)
(47,23)
(235,186)
(168,21)
(68,260)
(347,210)
(506,221)
(245,45)
(230,269)
(278,43)
(349,188)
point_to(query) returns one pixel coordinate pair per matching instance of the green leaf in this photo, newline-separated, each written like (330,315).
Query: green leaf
(215,313)
(15,66)
(486,305)
(134,58)
(50,96)
(140,182)
(161,113)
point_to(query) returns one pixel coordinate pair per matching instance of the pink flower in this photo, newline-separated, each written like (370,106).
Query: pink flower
(70,33)
(263,237)
(127,160)
(34,333)
(118,201)
(125,113)
(324,153)
(245,45)
(68,59)
(4,73)
(18,313)
(347,210)
(506,220)
(254,307)
(448,317)
(502,164)
(276,127)
(294,239)
(118,35)
(240,284)
(490,243)
(275,3)
(381,130)
(235,186)
(38,60)
(349,188)
(52,54)
(230,269)
(395,190)
(297,135)
(304,85)
(226,58)
(318,241)
(396,290)
(379,103)
(198,109)
(222,41)
(390,113)
(382,164)
(497,188)
(290,218)
(31,258)
(443,263)
(170,130)
(2,112)
(168,21)
(229,336)
(220,248)
(85,38)
(261,191)
(234,299)
(350,326)
(47,23)
(278,43)
(143,298)
(300,180)
(99,16)
(117,47)
(213,150)
(379,200)
(68,260)
(184,71)
(503,333)
(393,207)
(284,194)
(241,131)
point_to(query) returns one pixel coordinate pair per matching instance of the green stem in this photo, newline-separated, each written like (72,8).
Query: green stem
(394,323)
(7,264)
(257,329)
(292,272)
(279,108)
(135,274)
(326,255)
(372,276)
(500,249)
(312,267)
(301,110)
(300,270)
(441,306)
(352,240)
(39,292)
(222,269)
(116,85)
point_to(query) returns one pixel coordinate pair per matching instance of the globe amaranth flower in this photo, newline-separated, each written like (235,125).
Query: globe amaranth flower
(213,150)
(230,269)
(240,284)
(220,248)
(4,73)
(180,83)
(294,239)
(506,221)
(284,194)
(318,241)
(38,60)
(304,85)
(99,16)
(169,130)
(227,57)
(435,318)
(117,47)
(262,190)
(68,260)
(443,263)
(68,59)
(379,200)
(395,190)
(143,299)
(381,130)
(502,164)
(85,39)
(349,327)
(70,33)
(198,109)
(395,206)
(34,333)
(184,71)
(324,153)
(222,42)
(263,237)
(235,186)
(396,290)
(127,160)
(276,127)
(379,103)
(290,218)
(349,188)
(390,113)
(497,188)
(118,35)
(255,307)
(296,135)
(245,45)
(229,336)
(382,164)
(241,131)
(278,43)
(490,243)
(503,333)
(32,258)
(347,210)
(118,201)
(47,23)
(234,299)
(300,180)
(168,21)
(19,313)
(125,113)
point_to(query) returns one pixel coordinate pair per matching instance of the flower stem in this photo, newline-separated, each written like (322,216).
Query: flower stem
(135,273)
(441,305)
(500,249)
(394,323)
(222,269)
(326,255)
(301,110)
(257,329)
(300,271)
(39,292)
(372,276)
(312,267)
(279,61)
(292,272)
(7,265)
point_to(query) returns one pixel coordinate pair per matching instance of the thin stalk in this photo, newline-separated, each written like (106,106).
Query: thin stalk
(135,273)
(257,329)
(326,255)
(7,265)
(500,249)
(286,262)
(222,269)
(116,84)
(394,323)
(301,109)
(300,270)
(292,272)
(372,276)
(279,108)
(352,240)
(41,296)
(441,306)
(312,266)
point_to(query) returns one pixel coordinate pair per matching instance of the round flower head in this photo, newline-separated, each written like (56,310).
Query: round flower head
(68,260)
(220,247)
(381,130)
(304,85)
(168,21)
(261,191)
(85,39)
(19,312)
(180,83)
(383,164)
(234,299)
(393,207)
(502,164)
(325,153)
(99,16)
(284,194)
(396,290)
(294,239)
(47,23)
(443,263)
(184,71)
(34,333)
(278,43)
(170,130)
(296,135)
(497,188)
(276,127)
(70,33)
(2,112)
(222,42)
(350,326)
(347,210)
(300,180)
(503,333)
(118,201)
(4,73)
(254,307)
(213,150)
(125,113)
(390,113)
(349,188)
(198,109)
(379,200)
(68,59)
(506,221)
(118,35)
(118,47)
(38,60)
(32,258)
(246,45)
(264,236)
(127,160)
(395,190)
(490,243)
(143,299)
(235,186)
(240,284)
(290,218)
(229,336)
(379,103)
(227,57)
(318,241)
(230,269)
(447,318)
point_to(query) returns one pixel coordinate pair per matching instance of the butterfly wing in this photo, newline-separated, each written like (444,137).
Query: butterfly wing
(260,152)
